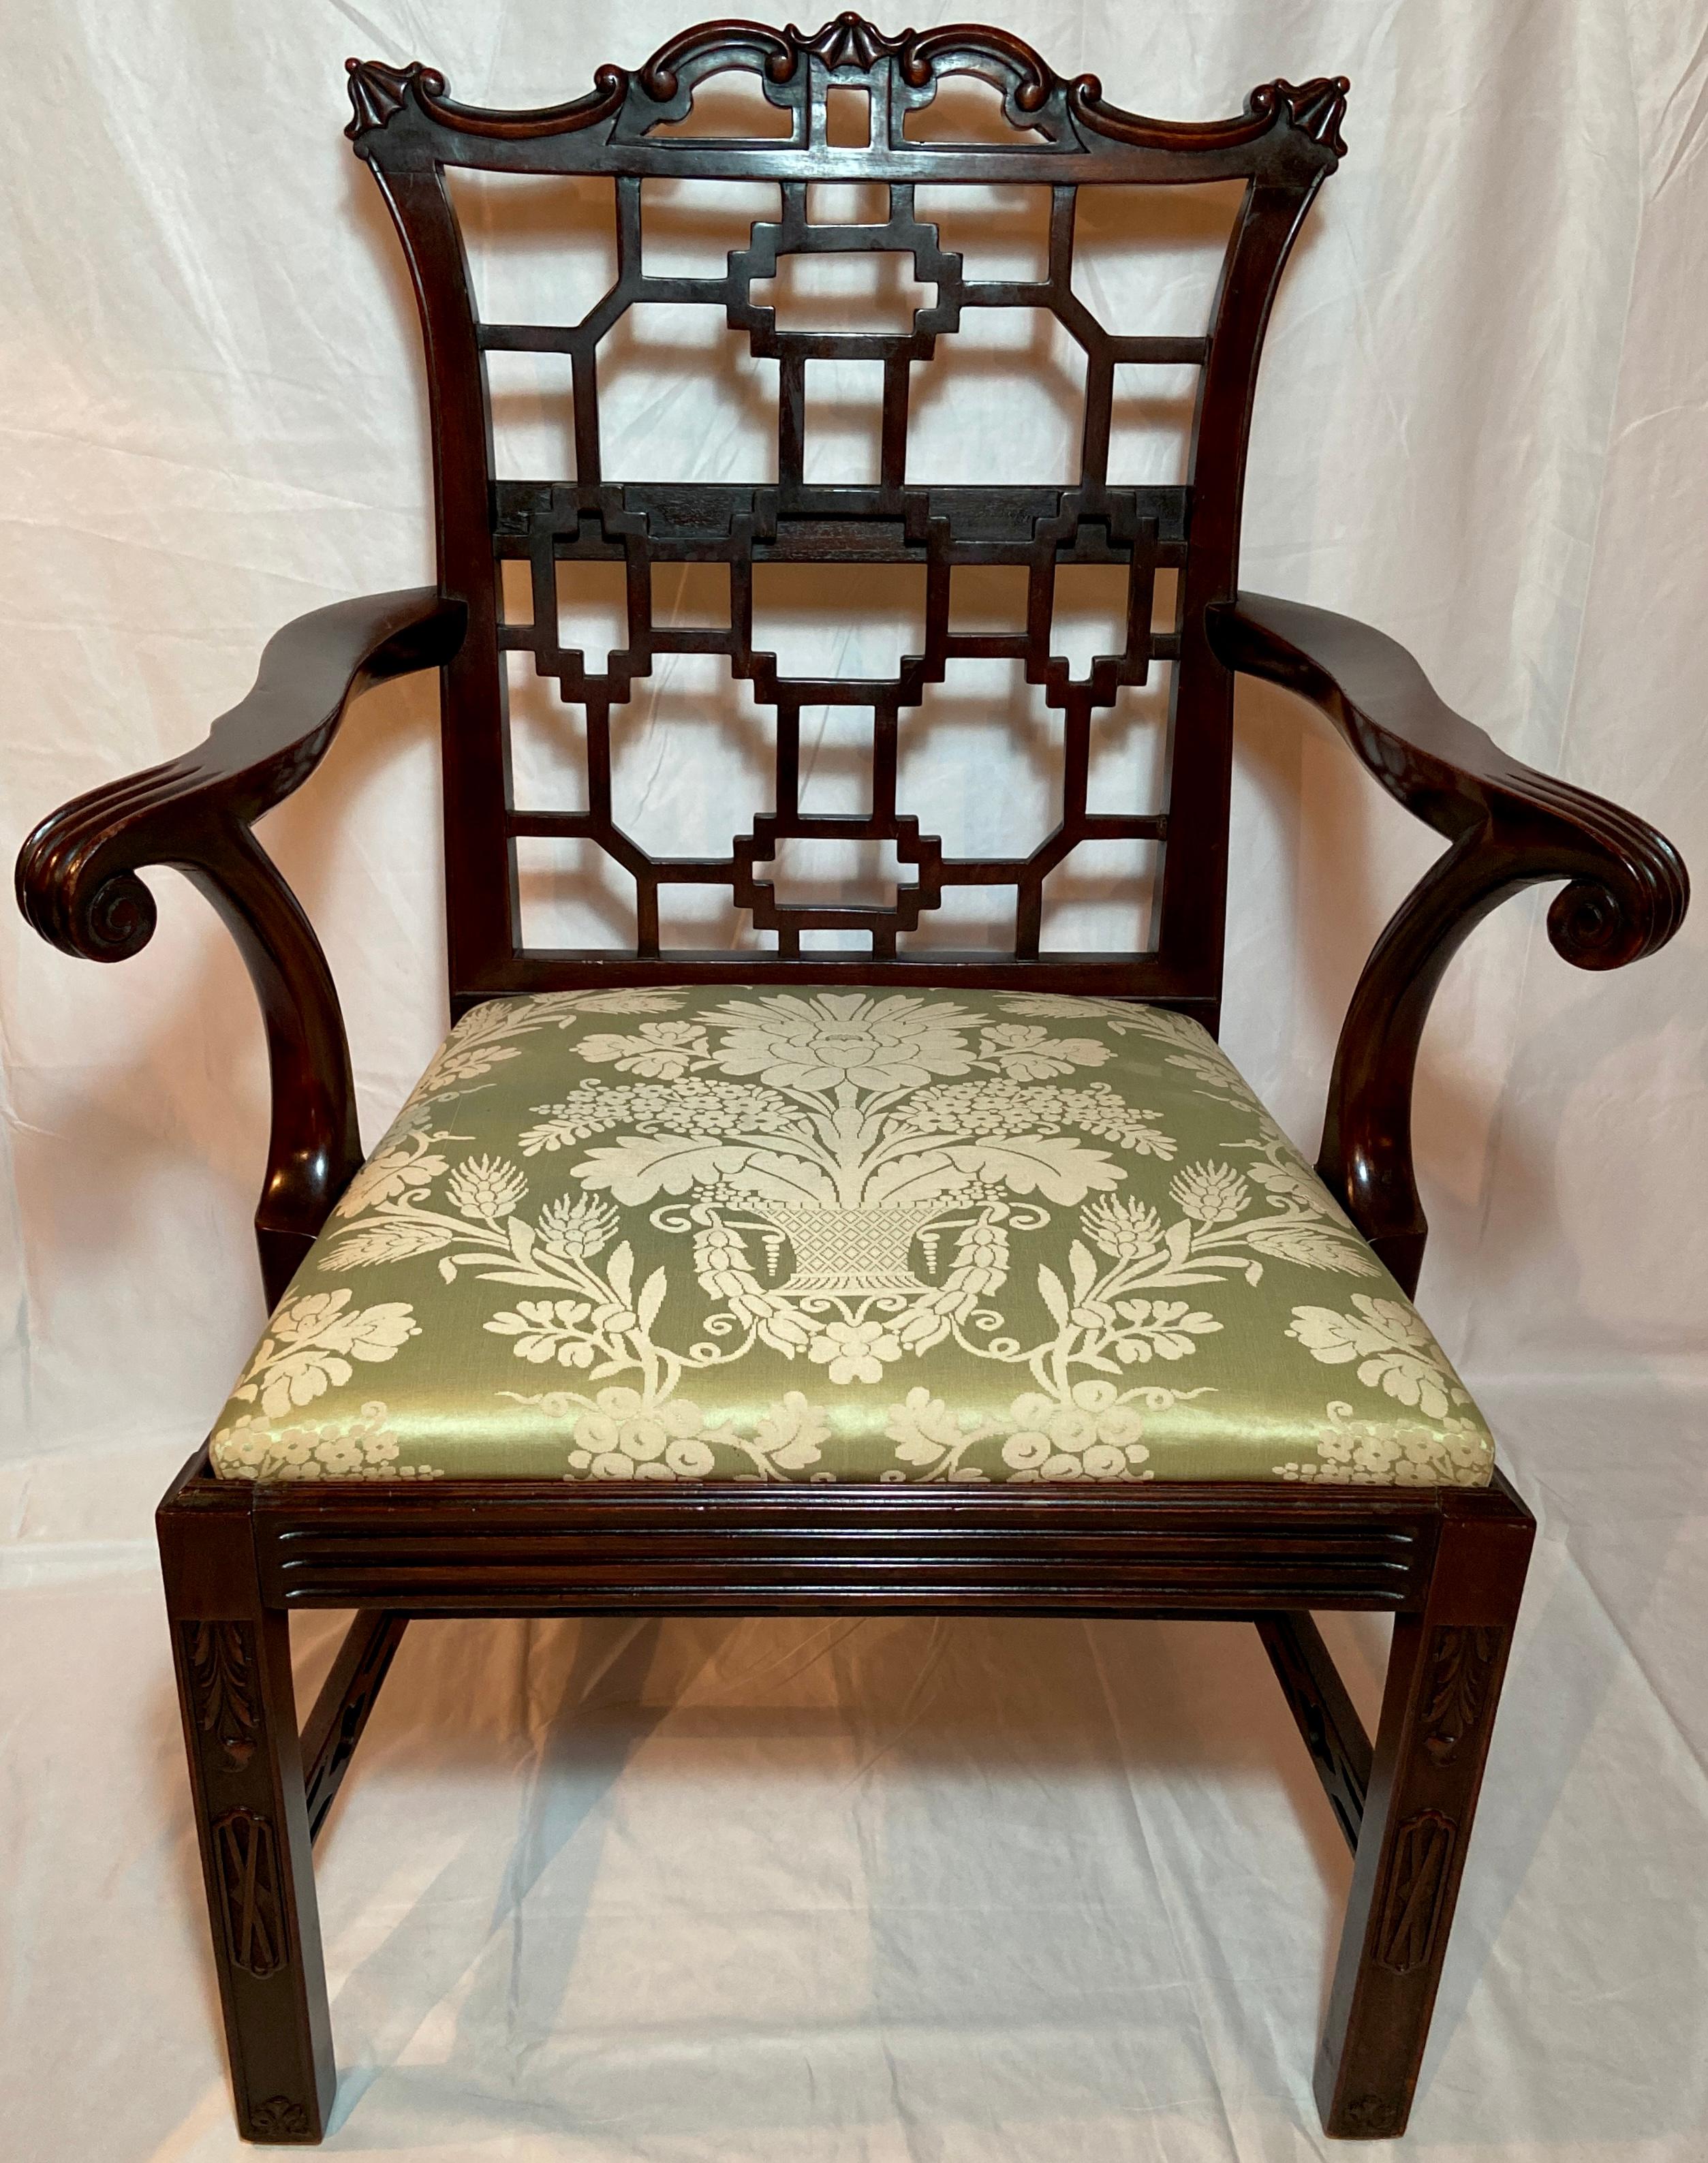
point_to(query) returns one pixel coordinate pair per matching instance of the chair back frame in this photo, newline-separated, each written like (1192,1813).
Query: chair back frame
(1064,135)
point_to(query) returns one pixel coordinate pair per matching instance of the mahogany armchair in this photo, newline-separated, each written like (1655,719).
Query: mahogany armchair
(790,1277)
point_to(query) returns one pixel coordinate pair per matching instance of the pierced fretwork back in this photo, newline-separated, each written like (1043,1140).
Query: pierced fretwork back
(1058,137)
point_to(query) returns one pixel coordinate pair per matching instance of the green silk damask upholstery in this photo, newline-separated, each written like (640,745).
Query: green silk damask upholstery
(842,1235)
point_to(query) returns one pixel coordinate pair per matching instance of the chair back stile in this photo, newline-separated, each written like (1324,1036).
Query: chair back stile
(1053,135)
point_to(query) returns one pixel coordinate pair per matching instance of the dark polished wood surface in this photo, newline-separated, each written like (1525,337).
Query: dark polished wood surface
(1624,895)
(77,879)
(1448,1564)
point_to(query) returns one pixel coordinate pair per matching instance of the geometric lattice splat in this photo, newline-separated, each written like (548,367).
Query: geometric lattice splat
(848,202)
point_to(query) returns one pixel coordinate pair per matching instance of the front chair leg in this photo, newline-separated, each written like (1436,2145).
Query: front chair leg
(232,1656)
(1443,1682)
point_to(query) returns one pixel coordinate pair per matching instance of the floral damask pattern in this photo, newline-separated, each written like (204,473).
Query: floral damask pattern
(830,1235)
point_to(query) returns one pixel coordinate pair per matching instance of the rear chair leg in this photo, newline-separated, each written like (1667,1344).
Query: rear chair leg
(232,1656)
(1443,1682)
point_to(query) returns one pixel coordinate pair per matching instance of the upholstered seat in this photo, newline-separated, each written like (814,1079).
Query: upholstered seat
(842,1235)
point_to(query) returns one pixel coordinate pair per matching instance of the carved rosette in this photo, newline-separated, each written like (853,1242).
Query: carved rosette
(1373,2117)
(1417,1883)
(1462,1666)
(246,1869)
(222,1659)
(279,2119)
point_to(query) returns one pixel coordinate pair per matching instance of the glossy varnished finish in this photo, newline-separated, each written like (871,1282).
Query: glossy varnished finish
(1064,136)
(1624,894)
(1327,1721)
(1448,1565)
(77,880)
(562,1547)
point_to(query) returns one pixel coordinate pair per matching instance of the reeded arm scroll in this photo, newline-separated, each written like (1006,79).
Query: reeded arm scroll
(77,879)
(1510,827)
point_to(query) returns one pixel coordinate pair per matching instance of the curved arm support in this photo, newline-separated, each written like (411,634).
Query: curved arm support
(1624,896)
(77,880)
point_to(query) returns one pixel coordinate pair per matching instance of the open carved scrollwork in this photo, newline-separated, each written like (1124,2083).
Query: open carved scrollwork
(1312,111)
(378,93)
(1069,113)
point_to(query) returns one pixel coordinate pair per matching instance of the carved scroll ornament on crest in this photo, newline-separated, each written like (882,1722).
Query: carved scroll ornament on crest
(1070,114)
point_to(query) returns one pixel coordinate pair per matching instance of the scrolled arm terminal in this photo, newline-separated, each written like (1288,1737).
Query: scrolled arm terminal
(78,883)
(1624,896)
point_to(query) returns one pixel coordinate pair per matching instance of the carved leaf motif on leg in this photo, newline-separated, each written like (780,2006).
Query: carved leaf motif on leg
(247,1858)
(1416,1879)
(1459,1687)
(223,1672)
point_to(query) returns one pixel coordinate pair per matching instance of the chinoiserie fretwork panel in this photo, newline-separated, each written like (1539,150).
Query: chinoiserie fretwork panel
(889,257)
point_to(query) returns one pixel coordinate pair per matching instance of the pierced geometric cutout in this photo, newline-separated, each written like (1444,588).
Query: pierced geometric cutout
(718,423)
(689,754)
(874,290)
(842,444)
(1102,899)
(691,596)
(998,231)
(980,757)
(965,109)
(515,591)
(1089,616)
(847,203)
(547,742)
(592,611)
(688,227)
(1127,767)
(880,892)
(706,920)
(969,920)
(1150,424)
(1146,260)
(533,415)
(827,871)
(729,107)
(847,117)
(1011,378)
(985,598)
(840,621)
(835,760)
(570,893)
(541,246)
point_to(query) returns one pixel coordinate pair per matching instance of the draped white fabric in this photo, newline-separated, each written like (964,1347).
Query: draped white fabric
(907,1889)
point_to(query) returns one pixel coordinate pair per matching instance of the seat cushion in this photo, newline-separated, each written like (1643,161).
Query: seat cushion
(823,1234)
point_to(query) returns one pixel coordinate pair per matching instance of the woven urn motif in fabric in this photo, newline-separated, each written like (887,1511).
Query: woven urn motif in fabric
(847,1235)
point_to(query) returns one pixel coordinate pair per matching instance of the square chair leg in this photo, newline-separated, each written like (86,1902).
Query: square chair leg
(232,1656)
(1443,1682)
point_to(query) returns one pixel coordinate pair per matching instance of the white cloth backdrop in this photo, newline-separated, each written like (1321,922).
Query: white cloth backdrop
(903,1889)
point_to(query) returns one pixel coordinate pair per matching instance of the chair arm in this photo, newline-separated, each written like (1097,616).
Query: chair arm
(1510,827)
(77,879)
